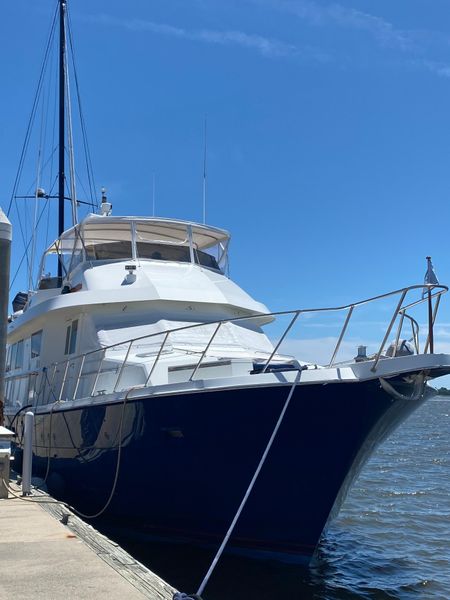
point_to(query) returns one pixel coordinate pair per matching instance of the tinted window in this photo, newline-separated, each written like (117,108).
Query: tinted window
(36,340)
(19,355)
(163,252)
(109,250)
(73,337)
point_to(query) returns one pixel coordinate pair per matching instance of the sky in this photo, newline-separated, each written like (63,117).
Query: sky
(328,134)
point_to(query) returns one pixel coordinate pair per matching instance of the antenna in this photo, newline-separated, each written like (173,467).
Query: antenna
(204,175)
(153,195)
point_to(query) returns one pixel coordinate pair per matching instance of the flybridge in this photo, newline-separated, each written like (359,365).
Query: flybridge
(105,238)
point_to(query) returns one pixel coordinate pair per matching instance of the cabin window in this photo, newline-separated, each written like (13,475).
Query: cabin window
(71,337)
(18,358)
(36,341)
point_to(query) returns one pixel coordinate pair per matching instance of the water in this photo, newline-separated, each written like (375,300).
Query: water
(391,539)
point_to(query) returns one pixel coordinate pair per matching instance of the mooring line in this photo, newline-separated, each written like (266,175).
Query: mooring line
(250,487)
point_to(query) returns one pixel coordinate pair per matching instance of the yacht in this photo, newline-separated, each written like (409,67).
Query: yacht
(161,401)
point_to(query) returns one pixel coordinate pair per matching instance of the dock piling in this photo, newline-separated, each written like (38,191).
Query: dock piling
(5,257)
(27,466)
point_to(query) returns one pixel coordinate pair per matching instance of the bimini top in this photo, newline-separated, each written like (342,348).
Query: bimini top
(98,239)
(156,229)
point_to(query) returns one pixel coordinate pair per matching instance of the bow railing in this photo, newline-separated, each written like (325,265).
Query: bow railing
(102,371)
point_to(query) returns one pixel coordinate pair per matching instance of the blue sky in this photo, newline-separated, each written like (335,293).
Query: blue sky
(328,130)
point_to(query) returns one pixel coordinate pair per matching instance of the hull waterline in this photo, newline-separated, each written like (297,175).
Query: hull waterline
(186,461)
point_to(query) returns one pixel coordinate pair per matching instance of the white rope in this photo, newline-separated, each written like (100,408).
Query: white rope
(250,487)
(119,455)
(33,499)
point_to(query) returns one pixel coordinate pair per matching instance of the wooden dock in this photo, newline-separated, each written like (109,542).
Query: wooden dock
(42,558)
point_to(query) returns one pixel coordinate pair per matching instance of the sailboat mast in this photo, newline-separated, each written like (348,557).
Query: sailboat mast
(62,87)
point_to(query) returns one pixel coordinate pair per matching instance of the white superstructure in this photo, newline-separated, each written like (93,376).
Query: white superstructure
(133,277)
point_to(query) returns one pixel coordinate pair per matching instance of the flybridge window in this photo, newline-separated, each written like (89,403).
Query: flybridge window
(49,268)
(113,242)
(163,252)
(156,241)
(206,259)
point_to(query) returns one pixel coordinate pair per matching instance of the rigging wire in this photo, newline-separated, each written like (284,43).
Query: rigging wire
(85,192)
(204,174)
(25,254)
(33,110)
(73,193)
(26,141)
(87,154)
(54,144)
(36,193)
(45,166)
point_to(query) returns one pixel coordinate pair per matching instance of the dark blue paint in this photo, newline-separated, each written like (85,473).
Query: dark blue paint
(187,460)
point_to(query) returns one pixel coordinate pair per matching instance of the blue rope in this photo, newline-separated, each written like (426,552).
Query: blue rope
(183,596)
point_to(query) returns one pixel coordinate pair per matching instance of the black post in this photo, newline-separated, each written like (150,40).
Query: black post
(62,89)
(430,322)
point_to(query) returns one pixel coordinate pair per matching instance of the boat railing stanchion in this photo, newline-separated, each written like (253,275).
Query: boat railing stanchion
(399,331)
(280,341)
(27,465)
(63,382)
(389,329)
(341,337)
(80,371)
(51,382)
(436,306)
(157,358)
(414,330)
(98,372)
(197,366)
(122,366)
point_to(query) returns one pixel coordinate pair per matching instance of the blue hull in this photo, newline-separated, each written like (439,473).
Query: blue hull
(187,460)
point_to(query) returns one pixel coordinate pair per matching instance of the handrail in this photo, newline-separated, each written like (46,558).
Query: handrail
(443,289)
(435,291)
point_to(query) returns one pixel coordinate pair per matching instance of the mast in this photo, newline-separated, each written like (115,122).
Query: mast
(62,87)
(62,102)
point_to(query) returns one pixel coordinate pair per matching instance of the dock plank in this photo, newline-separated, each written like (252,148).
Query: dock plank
(42,558)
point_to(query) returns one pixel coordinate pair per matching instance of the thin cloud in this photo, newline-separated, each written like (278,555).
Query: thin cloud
(268,47)
(420,49)
(317,14)
(438,68)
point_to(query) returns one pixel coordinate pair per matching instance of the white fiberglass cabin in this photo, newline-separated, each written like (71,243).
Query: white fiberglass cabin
(123,279)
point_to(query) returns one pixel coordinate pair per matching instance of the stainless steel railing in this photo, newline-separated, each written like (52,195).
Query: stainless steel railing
(85,374)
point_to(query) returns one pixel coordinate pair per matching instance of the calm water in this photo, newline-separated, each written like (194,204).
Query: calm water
(391,539)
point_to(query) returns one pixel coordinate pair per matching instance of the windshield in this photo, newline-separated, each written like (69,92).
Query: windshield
(152,240)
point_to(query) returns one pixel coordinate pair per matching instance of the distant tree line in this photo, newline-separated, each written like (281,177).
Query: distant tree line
(442,391)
